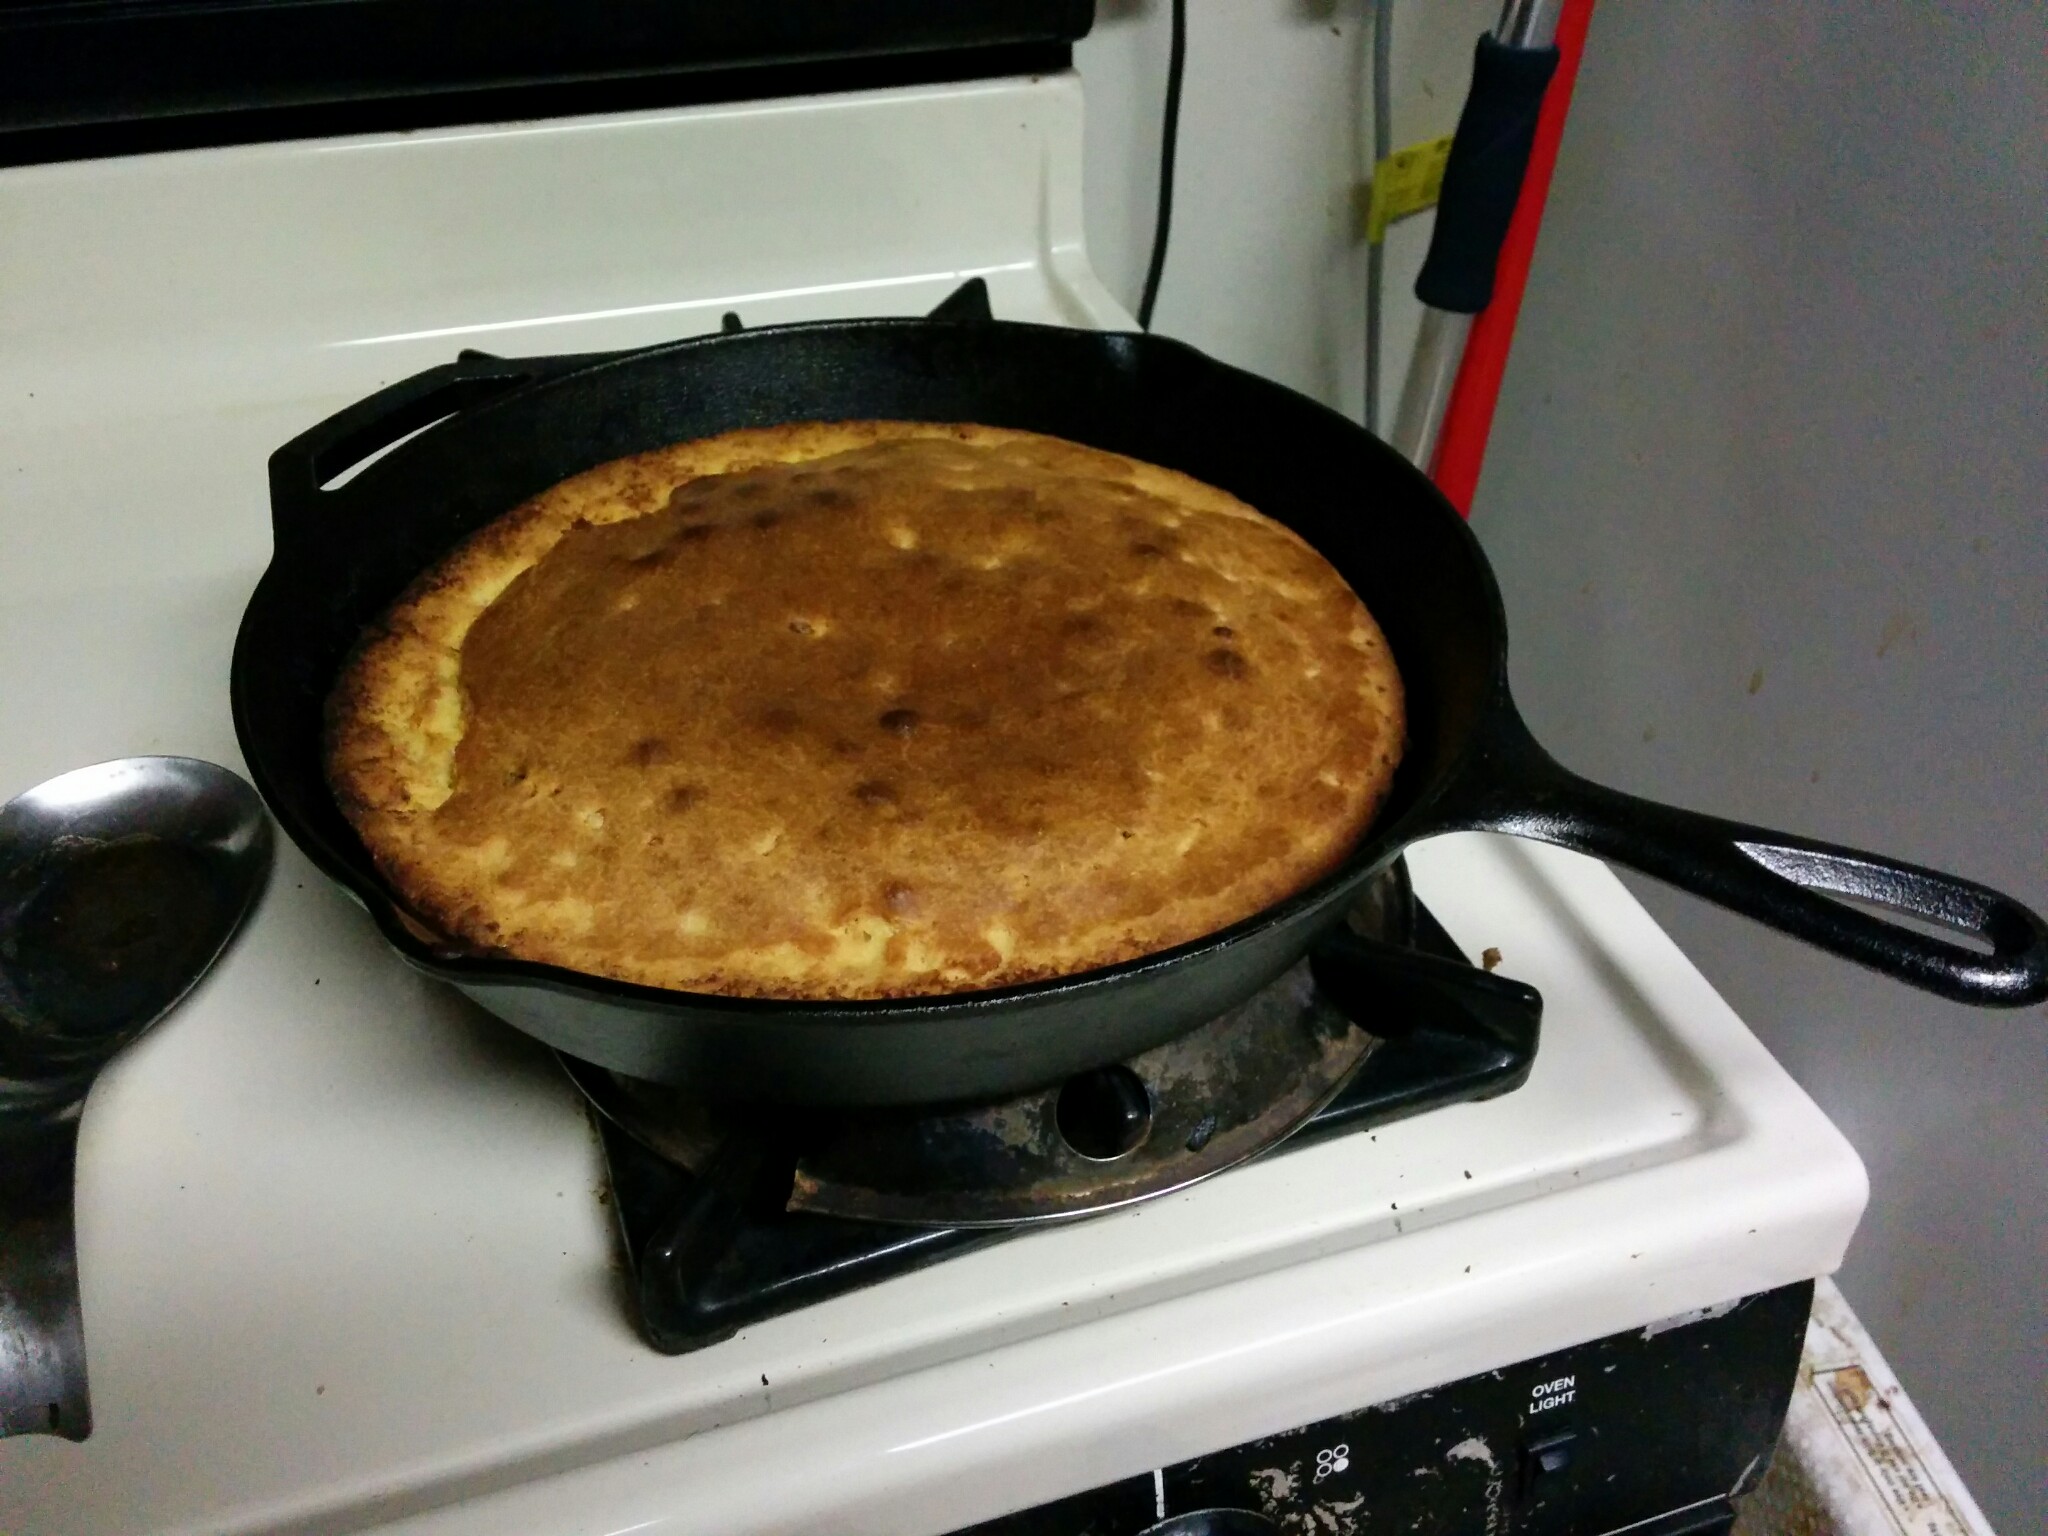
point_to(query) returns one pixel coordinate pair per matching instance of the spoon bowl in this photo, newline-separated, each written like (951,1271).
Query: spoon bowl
(120,884)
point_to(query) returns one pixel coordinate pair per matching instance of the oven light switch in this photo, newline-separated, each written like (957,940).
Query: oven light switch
(1545,1462)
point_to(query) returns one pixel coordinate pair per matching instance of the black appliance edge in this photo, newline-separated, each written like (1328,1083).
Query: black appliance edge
(1656,1431)
(87,80)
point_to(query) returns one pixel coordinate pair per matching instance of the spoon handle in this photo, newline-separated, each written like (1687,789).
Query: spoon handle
(42,1342)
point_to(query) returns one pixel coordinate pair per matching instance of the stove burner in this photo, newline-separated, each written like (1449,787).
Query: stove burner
(1107,1113)
(1177,1113)
(732,1213)
(1180,1112)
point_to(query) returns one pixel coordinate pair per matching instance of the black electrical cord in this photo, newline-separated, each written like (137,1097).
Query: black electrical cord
(1169,131)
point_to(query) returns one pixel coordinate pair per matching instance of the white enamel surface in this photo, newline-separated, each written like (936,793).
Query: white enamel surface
(204,307)
(344,1259)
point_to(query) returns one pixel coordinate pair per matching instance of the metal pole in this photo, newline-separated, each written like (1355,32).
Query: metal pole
(1440,342)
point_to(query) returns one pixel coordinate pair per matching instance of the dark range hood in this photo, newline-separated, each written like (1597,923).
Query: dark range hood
(93,77)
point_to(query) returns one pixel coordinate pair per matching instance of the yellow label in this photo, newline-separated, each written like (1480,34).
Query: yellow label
(1406,182)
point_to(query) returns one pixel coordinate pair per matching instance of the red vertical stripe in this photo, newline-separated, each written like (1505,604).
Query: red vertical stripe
(1469,417)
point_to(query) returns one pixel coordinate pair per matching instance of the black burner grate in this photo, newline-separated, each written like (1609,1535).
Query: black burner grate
(712,1253)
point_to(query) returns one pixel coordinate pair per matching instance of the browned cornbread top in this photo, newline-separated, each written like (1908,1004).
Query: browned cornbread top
(882,709)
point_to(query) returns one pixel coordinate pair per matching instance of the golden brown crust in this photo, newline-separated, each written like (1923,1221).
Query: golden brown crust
(864,709)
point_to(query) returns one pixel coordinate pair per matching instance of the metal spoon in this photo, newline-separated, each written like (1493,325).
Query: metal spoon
(119,886)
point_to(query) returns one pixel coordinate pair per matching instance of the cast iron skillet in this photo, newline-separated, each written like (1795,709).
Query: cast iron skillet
(503,430)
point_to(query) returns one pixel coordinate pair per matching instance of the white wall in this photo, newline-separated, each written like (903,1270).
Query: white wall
(1776,404)
(1266,265)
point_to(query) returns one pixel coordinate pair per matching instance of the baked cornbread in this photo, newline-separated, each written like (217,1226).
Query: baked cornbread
(864,709)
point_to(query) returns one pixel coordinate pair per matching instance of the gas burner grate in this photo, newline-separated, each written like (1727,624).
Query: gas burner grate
(715,1250)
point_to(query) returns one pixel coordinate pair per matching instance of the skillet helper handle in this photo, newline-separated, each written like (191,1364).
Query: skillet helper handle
(302,467)
(1785,881)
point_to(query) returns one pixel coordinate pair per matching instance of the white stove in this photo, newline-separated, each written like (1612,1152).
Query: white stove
(345,1265)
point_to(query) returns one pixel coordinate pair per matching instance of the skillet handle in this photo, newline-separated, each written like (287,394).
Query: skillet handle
(303,467)
(1787,882)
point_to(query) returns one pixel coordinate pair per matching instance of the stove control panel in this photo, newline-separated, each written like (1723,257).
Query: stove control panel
(1669,1424)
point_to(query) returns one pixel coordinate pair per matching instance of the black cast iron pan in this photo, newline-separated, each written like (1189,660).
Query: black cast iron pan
(503,430)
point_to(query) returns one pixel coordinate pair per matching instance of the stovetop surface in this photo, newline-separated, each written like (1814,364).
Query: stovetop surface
(345,1261)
